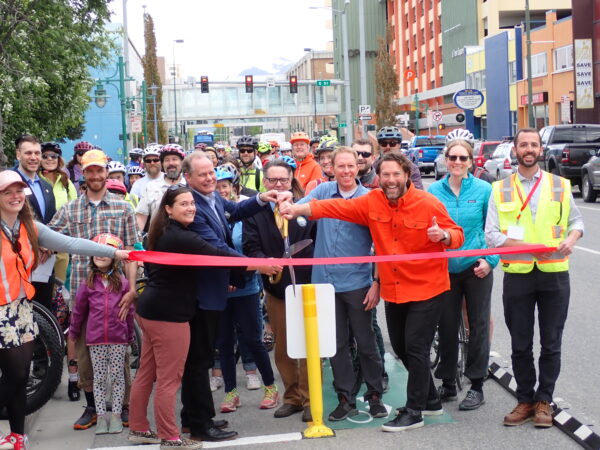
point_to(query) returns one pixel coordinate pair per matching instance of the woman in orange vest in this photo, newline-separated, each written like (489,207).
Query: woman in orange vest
(21,243)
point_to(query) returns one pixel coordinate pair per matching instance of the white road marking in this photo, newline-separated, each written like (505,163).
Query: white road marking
(588,207)
(595,252)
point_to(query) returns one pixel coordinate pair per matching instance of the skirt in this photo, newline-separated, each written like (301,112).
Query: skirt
(17,326)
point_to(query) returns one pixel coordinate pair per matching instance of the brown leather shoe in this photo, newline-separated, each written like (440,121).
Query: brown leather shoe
(306,415)
(543,415)
(522,413)
(286,410)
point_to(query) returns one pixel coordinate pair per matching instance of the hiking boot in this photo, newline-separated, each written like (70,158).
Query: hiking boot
(143,437)
(87,419)
(271,397)
(186,444)
(343,410)
(73,391)
(252,382)
(286,410)
(114,424)
(231,402)
(447,393)
(543,415)
(376,407)
(216,383)
(407,419)
(101,425)
(473,400)
(522,413)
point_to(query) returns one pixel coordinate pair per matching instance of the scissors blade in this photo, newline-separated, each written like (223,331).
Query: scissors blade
(296,247)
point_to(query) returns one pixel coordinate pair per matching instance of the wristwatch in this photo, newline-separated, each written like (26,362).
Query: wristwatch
(446,235)
(72,363)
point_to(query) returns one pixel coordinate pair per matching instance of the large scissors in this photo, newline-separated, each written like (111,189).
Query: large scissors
(290,250)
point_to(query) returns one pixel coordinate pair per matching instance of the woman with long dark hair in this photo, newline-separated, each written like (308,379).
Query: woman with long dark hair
(20,240)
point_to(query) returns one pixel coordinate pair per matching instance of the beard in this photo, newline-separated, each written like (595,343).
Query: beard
(394,193)
(173,172)
(521,159)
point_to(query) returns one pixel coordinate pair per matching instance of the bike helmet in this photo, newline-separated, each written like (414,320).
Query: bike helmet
(462,134)
(299,136)
(264,147)
(51,147)
(152,150)
(289,161)
(172,149)
(327,146)
(219,147)
(115,186)
(116,166)
(247,141)
(136,152)
(389,133)
(274,144)
(136,170)
(200,146)
(285,147)
(108,239)
(235,173)
(83,145)
(224,175)
(315,140)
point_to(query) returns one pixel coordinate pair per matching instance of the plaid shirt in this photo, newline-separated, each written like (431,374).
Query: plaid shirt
(81,218)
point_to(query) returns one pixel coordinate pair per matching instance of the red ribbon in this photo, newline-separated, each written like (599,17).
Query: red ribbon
(181,259)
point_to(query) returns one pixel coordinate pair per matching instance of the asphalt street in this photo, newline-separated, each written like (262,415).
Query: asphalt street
(576,390)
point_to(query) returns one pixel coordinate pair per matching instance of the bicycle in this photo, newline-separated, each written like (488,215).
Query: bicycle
(463,343)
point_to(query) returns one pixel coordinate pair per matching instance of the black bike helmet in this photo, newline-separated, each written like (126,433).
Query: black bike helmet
(327,146)
(247,141)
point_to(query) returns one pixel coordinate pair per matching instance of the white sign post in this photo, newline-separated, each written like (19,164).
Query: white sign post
(364,109)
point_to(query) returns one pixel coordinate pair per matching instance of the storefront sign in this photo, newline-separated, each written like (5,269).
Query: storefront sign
(536,98)
(584,81)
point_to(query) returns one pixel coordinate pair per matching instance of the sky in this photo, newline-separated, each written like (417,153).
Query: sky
(224,37)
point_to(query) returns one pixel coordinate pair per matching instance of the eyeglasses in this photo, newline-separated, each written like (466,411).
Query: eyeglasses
(49,156)
(388,143)
(153,160)
(278,180)
(246,150)
(80,152)
(462,158)
(364,154)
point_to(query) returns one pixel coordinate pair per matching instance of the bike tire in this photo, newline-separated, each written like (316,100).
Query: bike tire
(463,342)
(135,348)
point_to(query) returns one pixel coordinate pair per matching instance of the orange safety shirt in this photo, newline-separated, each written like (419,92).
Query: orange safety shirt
(16,270)
(397,230)
(307,170)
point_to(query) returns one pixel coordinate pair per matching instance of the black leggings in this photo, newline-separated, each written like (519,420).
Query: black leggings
(14,363)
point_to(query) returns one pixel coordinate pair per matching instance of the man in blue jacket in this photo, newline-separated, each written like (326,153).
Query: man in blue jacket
(211,223)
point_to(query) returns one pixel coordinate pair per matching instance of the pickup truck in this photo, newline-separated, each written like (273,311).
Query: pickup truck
(423,150)
(566,148)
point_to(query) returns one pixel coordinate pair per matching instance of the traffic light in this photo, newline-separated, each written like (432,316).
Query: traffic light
(249,84)
(204,85)
(441,126)
(293,84)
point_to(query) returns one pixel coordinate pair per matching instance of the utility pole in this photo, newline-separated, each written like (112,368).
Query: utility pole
(529,80)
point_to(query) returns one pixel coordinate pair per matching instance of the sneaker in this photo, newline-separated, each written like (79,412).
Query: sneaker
(433,408)
(73,391)
(186,444)
(216,383)
(87,419)
(473,400)
(252,382)
(5,443)
(125,415)
(522,413)
(447,394)
(115,425)
(407,419)
(18,441)
(543,415)
(143,437)
(271,398)
(343,410)
(231,402)
(102,425)
(376,408)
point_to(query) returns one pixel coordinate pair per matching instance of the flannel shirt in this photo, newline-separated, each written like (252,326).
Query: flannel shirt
(81,218)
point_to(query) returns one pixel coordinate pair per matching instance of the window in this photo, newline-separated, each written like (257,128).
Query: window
(563,58)
(406,20)
(422,35)
(512,72)
(433,84)
(538,65)
(432,60)
(431,29)
(424,65)
(414,14)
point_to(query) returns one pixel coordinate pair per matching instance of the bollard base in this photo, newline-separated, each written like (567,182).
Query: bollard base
(317,431)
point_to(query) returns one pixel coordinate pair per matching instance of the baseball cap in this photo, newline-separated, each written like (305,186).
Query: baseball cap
(10,177)
(93,158)
(109,239)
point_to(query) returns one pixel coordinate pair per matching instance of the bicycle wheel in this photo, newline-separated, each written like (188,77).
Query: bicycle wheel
(135,348)
(463,342)
(434,354)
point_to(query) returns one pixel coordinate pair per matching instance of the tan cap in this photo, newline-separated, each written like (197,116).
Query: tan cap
(93,158)
(10,177)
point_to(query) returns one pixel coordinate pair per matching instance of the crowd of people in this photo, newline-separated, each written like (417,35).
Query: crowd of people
(357,200)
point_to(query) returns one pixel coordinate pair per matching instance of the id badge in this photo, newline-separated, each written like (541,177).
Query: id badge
(516,232)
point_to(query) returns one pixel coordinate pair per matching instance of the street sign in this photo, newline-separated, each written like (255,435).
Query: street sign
(270,82)
(218,125)
(364,109)
(409,75)
(342,125)
(468,99)
(323,83)
(437,116)
(136,124)
(565,109)
(365,117)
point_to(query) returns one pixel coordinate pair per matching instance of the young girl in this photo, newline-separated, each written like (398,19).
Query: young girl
(97,312)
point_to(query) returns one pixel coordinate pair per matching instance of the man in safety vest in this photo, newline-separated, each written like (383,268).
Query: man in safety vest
(534,207)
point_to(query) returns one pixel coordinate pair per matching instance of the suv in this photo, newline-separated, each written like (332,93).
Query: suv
(503,162)
(483,151)
(590,179)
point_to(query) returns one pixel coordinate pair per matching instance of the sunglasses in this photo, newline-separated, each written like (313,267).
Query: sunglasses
(388,143)
(153,160)
(455,157)
(277,180)
(364,154)
(49,156)
(176,187)
(246,150)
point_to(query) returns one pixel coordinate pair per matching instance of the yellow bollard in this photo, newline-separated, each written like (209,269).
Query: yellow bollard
(315,428)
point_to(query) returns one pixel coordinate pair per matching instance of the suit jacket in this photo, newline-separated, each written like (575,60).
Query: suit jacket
(47,191)
(213,282)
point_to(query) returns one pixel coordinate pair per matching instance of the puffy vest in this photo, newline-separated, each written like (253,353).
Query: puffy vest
(549,228)
(13,272)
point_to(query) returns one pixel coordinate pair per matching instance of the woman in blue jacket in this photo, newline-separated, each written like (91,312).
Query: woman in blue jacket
(471,278)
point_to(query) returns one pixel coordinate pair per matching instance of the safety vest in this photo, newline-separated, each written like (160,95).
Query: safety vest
(13,272)
(549,228)
(132,199)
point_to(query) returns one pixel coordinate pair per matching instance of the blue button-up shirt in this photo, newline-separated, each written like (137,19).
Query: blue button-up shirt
(36,189)
(340,238)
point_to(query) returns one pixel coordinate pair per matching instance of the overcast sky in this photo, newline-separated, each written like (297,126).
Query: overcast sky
(224,37)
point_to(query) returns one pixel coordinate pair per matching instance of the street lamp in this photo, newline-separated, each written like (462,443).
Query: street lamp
(348,108)
(174,73)
(312,75)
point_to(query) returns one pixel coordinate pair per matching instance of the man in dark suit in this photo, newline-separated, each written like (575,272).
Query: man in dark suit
(41,199)
(211,223)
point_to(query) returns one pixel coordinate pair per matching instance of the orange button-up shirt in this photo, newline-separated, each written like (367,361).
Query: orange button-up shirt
(398,230)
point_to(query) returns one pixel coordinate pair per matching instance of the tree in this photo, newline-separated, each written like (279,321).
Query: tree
(45,51)
(152,78)
(386,84)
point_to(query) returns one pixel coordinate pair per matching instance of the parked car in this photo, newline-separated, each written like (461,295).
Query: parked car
(503,162)
(440,169)
(590,179)
(424,150)
(483,150)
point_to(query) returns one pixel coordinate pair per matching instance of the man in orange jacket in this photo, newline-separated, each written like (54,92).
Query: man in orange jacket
(308,169)
(402,219)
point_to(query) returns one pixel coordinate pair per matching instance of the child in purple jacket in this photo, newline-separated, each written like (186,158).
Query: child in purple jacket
(108,337)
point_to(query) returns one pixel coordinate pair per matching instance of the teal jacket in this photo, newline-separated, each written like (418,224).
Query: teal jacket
(469,211)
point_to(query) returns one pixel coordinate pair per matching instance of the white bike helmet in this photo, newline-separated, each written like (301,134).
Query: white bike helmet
(462,134)
(116,166)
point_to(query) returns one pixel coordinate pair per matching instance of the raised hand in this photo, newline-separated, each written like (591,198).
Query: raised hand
(434,232)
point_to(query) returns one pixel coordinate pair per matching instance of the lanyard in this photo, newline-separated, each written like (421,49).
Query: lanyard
(526,202)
